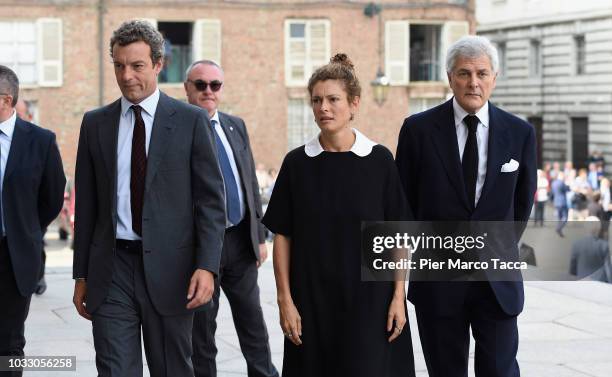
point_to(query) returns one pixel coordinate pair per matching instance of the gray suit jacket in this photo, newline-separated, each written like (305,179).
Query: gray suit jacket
(237,135)
(589,254)
(183,212)
(32,196)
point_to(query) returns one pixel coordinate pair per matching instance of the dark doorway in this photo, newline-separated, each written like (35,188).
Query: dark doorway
(580,142)
(536,121)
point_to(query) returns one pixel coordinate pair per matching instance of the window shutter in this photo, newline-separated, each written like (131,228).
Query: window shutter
(307,47)
(452,31)
(295,54)
(319,45)
(50,64)
(397,51)
(207,40)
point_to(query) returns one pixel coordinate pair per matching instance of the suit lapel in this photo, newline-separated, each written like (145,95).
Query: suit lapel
(108,132)
(19,146)
(444,138)
(498,151)
(163,126)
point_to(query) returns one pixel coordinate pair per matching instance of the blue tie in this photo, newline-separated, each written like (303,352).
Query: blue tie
(232,200)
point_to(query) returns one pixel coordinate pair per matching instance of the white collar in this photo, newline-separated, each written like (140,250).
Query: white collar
(460,113)
(362,146)
(214,117)
(8,126)
(149,104)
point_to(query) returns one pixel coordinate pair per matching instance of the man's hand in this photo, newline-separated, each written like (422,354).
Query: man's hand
(80,294)
(263,254)
(201,288)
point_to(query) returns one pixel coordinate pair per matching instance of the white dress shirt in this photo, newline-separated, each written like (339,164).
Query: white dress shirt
(482,139)
(124,159)
(6,137)
(230,154)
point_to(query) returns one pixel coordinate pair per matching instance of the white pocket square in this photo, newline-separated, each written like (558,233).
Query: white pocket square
(510,166)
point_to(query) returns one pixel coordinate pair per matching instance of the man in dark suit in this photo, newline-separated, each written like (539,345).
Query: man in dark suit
(244,247)
(467,160)
(23,112)
(31,190)
(150,216)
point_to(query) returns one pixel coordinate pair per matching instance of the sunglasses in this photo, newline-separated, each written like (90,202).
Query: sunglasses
(201,85)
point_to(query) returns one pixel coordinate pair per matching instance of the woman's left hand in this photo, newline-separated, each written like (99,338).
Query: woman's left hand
(396,319)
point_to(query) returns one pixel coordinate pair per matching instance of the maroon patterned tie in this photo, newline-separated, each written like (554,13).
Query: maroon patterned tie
(138,171)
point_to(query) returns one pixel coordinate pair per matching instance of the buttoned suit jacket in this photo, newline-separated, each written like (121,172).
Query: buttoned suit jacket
(430,170)
(183,217)
(238,138)
(32,196)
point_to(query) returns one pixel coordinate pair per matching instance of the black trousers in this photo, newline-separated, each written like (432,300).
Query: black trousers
(446,340)
(539,213)
(14,312)
(127,310)
(238,279)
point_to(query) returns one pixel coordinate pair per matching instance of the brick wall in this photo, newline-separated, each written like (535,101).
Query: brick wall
(252,57)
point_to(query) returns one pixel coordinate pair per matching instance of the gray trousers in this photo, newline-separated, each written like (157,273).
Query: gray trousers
(117,325)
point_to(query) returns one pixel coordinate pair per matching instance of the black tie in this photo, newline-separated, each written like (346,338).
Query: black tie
(138,170)
(469,161)
(1,172)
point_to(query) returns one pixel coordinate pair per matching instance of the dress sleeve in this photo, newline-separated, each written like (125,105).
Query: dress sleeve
(278,217)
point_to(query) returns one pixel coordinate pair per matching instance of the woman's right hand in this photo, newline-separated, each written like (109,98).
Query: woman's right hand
(290,321)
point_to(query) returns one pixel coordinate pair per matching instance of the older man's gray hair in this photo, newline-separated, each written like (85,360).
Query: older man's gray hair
(136,31)
(472,47)
(9,83)
(203,62)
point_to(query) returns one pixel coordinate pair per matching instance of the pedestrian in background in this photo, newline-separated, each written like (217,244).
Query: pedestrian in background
(541,198)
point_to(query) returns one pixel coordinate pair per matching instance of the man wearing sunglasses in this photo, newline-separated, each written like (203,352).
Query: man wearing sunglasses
(244,246)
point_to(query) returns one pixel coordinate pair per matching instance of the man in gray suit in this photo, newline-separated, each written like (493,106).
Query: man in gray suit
(150,216)
(590,253)
(244,247)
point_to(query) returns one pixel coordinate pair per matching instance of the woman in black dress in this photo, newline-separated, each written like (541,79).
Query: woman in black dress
(335,325)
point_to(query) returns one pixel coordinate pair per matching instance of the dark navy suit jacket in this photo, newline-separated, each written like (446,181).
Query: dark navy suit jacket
(32,196)
(430,170)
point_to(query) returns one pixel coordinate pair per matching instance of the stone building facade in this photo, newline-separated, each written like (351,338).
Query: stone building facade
(556,71)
